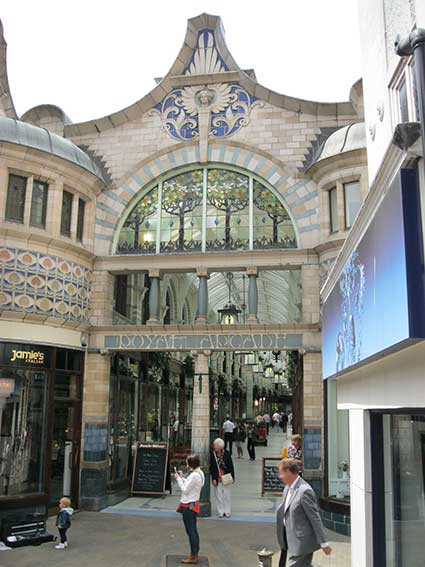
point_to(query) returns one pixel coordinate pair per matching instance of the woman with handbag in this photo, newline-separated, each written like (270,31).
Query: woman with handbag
(189,505)
(223,476)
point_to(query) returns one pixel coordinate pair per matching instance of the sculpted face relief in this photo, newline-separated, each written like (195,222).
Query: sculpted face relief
(31,356)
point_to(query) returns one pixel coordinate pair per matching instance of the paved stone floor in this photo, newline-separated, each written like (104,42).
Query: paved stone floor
(247,502)
(142,531)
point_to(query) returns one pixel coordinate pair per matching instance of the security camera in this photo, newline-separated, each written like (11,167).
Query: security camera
(84,340)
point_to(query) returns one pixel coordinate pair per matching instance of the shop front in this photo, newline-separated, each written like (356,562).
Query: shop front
(373,352)
(40,426)
(398,454)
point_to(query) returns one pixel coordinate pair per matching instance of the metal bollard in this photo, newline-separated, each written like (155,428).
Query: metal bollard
(265,558)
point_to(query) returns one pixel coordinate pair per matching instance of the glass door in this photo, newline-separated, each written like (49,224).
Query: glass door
(66,432)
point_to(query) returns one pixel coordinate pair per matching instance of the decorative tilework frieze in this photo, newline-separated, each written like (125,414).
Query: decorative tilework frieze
(230,107)
(206,57)
(34,282)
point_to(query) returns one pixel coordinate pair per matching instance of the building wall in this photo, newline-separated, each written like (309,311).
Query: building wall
(378,385)
(380,23)
(45,276)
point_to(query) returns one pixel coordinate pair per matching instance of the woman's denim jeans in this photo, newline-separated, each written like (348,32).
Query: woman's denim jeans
(189,520)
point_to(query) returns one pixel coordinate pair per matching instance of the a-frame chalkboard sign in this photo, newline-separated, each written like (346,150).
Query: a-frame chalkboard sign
(270,481)
(151,472)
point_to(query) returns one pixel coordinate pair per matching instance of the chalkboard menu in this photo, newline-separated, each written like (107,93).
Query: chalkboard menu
(270,481)
(151,469)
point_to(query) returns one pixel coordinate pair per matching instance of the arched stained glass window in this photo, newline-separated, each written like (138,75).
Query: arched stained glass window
(272,225)
(181,213)
(138,235)
(203,210)
(227,210)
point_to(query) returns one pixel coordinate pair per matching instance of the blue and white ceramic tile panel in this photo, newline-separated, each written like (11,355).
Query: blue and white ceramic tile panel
(230,104)
(206,58)
(34,282)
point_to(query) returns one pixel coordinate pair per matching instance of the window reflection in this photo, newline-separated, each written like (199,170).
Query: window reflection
(404,454)
(22,431)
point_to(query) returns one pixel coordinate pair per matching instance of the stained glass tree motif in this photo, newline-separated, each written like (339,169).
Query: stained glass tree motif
(267,202)
(180,196)
(144,209)
(137,234)
(227,192)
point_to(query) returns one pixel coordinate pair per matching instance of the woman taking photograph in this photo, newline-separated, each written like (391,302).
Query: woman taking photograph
(223,476)
(189,505)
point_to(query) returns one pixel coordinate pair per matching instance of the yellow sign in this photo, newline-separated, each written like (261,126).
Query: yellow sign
(31,356)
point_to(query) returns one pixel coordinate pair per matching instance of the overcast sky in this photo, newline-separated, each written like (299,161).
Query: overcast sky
(94,57)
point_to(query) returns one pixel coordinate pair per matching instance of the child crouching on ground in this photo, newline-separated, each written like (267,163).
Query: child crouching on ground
(63,521)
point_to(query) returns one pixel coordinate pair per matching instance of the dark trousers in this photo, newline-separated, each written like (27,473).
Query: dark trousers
(268,428)
(228,441)
(283,552)
(251,449)
(62,534)
(189,520)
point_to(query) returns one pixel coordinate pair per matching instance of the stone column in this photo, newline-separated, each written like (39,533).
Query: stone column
(252,295)
(94,455)
(249,392)
(310,286)
(361,489)
(154,298)
(229,382)
(313,419)
(102,298)
(201,424)
(202,305)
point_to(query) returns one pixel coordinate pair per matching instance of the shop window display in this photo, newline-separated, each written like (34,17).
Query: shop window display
(338,448)
(404,480)
(23,431)
(123,420)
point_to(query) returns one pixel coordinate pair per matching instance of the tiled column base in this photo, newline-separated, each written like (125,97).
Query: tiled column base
(94,462)
(313,420)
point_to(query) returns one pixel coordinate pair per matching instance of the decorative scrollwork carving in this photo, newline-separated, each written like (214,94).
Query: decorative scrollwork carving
(230,107)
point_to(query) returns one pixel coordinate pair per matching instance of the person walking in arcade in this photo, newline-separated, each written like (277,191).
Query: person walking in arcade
(300,530)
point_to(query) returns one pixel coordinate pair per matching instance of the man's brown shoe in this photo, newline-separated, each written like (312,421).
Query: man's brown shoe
(191,560)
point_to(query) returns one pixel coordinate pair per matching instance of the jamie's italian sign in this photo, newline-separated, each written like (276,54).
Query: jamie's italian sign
(24,355)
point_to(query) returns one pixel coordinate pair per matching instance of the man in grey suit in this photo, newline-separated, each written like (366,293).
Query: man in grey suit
(300,530)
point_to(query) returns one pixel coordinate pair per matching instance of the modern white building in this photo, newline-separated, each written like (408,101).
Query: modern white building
(374,302)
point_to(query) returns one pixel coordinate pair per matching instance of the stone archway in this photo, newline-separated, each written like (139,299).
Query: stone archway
(299,194)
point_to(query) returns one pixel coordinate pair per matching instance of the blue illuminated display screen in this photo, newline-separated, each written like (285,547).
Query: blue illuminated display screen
(367,311)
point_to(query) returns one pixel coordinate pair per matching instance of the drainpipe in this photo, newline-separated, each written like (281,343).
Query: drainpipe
(414,45)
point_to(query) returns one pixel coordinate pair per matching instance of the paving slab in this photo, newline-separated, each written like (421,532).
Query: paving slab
(176,560)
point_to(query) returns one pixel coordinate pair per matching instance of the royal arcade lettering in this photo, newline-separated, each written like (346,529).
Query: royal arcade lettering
(260,341)
(29,356)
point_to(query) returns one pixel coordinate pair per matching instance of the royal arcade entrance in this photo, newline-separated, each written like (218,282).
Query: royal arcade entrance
(141,378)
(178,246)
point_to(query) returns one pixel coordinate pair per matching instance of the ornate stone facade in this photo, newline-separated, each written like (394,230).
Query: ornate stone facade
(206,113)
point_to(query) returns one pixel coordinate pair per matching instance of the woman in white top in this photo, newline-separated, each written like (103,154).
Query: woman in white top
(189,504)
